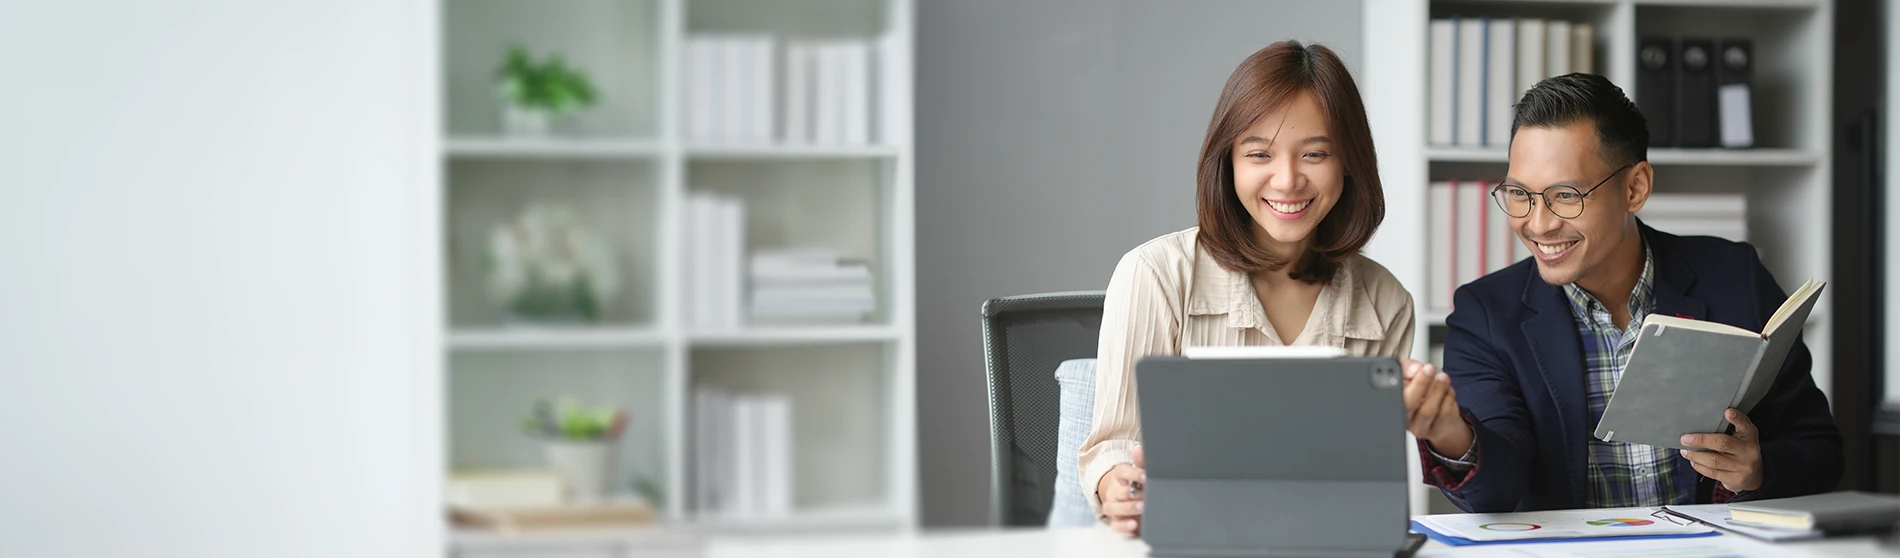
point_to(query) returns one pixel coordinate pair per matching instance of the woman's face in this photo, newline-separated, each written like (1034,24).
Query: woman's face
(1287,176)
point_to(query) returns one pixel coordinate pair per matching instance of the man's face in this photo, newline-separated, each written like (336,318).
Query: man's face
(1544,160)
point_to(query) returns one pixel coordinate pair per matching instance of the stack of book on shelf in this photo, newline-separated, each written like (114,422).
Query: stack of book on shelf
(1696,91)
(522,501)
(745,88)
(1718,215)
(742,451)
(715,277)
(1480,66)
(810,287)
(1470,237)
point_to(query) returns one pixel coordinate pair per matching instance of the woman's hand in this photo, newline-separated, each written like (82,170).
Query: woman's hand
(1121,493)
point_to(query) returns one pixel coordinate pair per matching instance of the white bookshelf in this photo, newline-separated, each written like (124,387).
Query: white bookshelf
(1786,178)
(629,166)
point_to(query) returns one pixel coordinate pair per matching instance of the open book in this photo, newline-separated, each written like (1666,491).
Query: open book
(1684,373)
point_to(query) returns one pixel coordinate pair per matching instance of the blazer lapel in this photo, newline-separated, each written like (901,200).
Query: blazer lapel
(1551,334)
(1673,279)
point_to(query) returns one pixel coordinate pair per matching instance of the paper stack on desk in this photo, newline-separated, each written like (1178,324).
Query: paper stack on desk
(1477,528)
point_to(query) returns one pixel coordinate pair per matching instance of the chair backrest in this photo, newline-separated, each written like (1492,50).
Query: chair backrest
(1024,339)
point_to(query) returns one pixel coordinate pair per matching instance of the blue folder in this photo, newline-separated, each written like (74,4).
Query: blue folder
(1449,540)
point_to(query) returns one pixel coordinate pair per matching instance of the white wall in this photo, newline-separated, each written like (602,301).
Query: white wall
(218,248)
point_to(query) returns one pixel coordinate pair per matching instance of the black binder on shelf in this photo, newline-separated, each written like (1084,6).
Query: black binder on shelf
(1695,93)
(1735,92)
(1656,88)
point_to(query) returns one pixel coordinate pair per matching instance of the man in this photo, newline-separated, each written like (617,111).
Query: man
(1533,352)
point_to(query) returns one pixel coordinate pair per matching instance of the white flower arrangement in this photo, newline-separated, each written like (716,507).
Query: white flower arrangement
(547,266)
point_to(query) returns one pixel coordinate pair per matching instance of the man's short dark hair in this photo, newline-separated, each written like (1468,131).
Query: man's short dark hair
(1622,133)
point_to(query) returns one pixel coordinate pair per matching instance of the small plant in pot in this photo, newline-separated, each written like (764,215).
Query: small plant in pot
(535,92)
(579,442)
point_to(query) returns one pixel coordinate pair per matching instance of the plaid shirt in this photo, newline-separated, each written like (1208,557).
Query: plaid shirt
(1623,475)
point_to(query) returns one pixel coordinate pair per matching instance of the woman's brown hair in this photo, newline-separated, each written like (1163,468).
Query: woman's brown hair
(1265,82)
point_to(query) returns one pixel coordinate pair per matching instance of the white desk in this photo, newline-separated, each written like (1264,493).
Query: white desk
(1102,543)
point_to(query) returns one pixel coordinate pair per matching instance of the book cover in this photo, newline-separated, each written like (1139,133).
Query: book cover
(1656,88)
(1684,373)
(732,263)
(828,99)
(702,209)
(762,70)
(734,86)
(776,422)
(1837,512)
(1443,278)
(1470,87)
(887,100)
(1443,96)
(1734,82)
(1583,48)
(1500,80)
(746,456)
(1695,93)
(1470,215)
(857,93)
(1530,55)
(798,93)
(1556,48)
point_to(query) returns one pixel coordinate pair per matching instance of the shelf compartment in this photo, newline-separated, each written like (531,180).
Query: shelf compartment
(614,42)
(489,392)
(839,206)
(841,414)
(616,199)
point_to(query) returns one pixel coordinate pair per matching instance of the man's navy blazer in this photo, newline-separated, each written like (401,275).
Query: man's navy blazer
(1516,360)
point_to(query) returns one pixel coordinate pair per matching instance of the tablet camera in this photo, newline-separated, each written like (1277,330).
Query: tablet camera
(1385,376)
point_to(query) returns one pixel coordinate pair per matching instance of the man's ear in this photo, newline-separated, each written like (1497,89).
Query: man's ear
(1637,186)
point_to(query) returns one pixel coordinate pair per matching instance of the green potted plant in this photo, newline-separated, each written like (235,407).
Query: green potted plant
(579,442)
(534,92)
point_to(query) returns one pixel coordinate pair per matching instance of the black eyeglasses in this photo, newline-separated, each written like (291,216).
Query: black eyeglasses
(1564,201)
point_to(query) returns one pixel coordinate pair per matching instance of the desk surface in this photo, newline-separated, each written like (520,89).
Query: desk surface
(1102,543)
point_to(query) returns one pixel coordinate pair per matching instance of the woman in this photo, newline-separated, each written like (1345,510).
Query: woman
(1288,192)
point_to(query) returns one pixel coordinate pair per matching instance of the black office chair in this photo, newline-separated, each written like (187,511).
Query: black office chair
(1024,339)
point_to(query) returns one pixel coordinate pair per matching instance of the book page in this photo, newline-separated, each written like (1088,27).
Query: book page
(1799,301)
(1793,315)
(1698,325)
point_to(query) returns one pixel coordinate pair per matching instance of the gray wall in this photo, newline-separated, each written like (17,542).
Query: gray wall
(1053,136)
